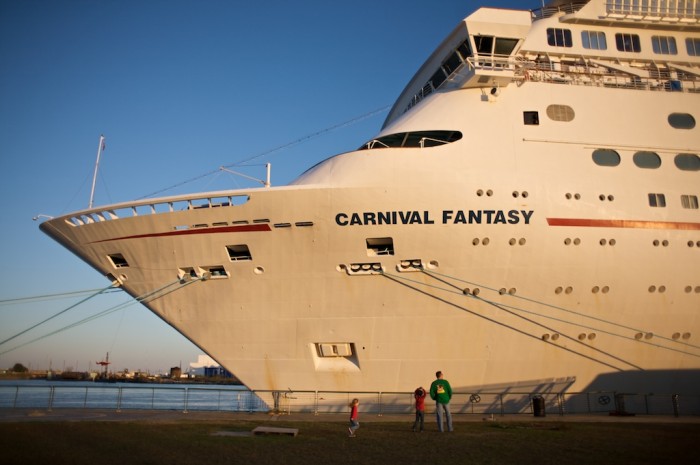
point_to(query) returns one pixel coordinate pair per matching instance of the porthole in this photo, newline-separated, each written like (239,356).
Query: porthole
(512,241)
(681,120)
(522,241)
(562,113)
(479,192)
(606,157)
(558,290)
(676,336)
(647,160)
(687,162)
(605,289)
(577,241)
(595,289)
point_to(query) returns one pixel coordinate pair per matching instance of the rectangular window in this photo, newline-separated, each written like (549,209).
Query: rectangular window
(504,46)
(484,44)
(693,46)
(594,40)
(689,201)
(664,45)
(628,42)
(380,246)
(657,200)
(452,63)
(531,118)
(559,37)
(465,50)
(118,260)
(238,252)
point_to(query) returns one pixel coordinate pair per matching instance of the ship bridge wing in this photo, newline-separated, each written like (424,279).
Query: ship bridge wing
(479,52)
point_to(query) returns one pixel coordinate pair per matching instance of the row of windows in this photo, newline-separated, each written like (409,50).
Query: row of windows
(624,42)
(485,45)
(687,201)
(647,160)
(413,139)
(564,113)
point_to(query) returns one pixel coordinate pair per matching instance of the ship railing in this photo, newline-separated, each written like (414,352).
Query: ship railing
(651,78)
(490,403)
(229,398)
(551,10)
(153,207)
(661,10)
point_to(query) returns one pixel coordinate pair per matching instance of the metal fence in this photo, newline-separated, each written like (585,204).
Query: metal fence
(236,399)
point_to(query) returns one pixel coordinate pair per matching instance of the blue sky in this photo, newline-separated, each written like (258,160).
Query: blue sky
(178,88)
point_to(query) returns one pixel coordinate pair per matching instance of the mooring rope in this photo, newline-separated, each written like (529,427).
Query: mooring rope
(147,297)
(57,314)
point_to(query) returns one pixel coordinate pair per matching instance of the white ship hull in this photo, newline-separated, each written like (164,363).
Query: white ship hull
(508,258)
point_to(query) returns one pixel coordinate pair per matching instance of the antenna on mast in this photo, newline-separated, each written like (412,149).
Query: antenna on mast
(100,148)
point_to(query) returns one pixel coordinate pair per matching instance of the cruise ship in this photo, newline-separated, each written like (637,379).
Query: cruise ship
(526,219)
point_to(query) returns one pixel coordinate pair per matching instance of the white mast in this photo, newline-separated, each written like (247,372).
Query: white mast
(100,147)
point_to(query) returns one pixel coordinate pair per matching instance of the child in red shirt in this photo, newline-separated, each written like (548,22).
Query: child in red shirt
(354,422)
(419,395)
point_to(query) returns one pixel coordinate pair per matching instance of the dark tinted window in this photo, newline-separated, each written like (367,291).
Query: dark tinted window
(681,120)
(606,157)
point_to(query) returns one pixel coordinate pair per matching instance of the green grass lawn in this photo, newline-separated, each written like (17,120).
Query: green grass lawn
(384,443)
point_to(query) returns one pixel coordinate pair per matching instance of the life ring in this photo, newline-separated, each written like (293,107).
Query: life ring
(604,400)
(475,398)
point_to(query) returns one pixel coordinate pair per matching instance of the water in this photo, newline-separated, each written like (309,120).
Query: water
(117,396)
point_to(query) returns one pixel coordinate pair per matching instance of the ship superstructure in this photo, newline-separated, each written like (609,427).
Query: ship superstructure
(526,219)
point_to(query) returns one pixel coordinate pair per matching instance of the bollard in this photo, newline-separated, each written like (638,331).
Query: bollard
(676,410)
(538,406)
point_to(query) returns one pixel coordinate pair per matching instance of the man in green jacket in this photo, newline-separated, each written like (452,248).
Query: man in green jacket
(441,393)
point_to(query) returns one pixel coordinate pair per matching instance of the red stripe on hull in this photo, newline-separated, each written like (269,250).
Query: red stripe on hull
(636,224)
(185,232)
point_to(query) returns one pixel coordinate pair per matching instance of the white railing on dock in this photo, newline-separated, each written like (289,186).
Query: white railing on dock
(238,399)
